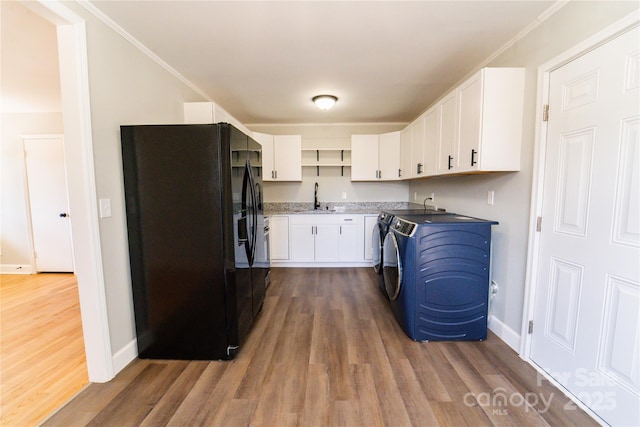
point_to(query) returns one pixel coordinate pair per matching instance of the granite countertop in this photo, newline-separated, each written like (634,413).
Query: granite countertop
(285,208)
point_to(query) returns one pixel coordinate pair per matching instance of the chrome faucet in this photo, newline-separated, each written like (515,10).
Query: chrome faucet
(316,205)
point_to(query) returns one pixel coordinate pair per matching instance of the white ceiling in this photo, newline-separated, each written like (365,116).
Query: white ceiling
(263,61)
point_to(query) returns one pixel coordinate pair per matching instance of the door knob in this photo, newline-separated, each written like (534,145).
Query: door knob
(63,215)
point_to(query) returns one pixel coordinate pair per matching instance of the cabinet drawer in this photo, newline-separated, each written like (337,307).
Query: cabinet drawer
(318,219)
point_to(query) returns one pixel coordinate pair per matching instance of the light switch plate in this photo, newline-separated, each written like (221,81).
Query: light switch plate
(105,208)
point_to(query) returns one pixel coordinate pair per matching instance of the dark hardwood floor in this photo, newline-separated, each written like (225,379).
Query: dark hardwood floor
(327,351)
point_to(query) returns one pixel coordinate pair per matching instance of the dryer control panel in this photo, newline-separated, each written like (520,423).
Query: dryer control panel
(403,226)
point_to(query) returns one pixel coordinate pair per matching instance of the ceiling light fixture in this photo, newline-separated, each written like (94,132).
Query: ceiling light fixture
(325,102)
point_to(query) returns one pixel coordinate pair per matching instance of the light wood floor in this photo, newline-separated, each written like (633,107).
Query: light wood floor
(326,351)
(42,358)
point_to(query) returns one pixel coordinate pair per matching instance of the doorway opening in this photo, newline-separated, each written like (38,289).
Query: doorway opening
(78,154)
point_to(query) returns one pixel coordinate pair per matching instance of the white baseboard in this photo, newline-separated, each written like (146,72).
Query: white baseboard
(320,264)
(124,356)
(16,269)
(505,333)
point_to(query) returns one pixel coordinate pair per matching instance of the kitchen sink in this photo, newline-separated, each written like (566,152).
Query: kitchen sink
(311,211)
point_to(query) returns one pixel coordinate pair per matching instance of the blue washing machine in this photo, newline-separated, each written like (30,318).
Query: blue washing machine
(380,230)
(436,274)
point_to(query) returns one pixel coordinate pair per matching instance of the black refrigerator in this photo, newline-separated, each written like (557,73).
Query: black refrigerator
(194,209)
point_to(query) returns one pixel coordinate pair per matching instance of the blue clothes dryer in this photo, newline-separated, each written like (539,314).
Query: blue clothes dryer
(436,273)
(380,230)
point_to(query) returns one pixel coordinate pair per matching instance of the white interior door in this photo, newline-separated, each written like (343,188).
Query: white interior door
(587,307)
(49,204)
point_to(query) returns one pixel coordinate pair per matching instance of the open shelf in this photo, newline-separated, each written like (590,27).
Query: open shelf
(326,157)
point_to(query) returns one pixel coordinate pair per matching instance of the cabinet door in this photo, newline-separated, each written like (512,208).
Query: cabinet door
(302,240)
(431,140)
(369,224)
(502,113)
(469,107)
(417,148)
(221,116)
(448,133)
(389,156)
(287,157)
(348,242)
(405,153)
(327,242)
(198,113)
(364,157)
(266,141)
(279,237)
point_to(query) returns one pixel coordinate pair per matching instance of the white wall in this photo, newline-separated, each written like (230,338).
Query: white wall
(126,87)
(31,104)
(330,182)
(468,194)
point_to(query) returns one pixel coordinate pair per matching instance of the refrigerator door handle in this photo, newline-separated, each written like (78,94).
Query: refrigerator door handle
(254,214)
(249,208)
(242,230)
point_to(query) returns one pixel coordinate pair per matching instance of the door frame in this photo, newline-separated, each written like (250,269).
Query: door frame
(30,233)
(78,152)
(537,187)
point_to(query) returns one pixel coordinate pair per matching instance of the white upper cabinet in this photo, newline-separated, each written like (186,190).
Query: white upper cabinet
(405,153)
(210,112)
(266,141)
(281,156)
(203,113)
(364,157)
(491,121)
(389,156)
(417,149)
(448,133)
(375,157)
(483,133)
(431,140)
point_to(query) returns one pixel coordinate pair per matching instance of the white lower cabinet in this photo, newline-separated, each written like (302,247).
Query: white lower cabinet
(326,243)
(303,242)
(279,237)
(348,242)
(324,239)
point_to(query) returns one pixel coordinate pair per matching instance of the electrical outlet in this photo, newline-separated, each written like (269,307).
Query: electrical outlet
(432,197)
(494,287)
(344,194)
(490,197)
(415,195)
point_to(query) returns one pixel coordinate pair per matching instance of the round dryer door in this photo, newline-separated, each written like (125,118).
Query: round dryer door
(376,247)
(392,266)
